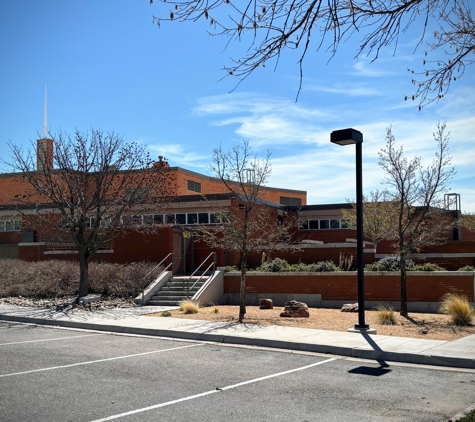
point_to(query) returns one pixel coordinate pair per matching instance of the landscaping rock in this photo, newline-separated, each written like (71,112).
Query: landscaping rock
(294,309)
(266,304)
(350,307)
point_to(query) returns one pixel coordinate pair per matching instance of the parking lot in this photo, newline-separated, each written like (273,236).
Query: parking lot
(57,374)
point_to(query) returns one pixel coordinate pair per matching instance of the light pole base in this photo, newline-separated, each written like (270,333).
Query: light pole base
(362,330)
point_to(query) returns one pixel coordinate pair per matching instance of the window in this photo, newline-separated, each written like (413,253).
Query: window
(194,186)
(180,218)
(289,201)
(203,218)
(322,225)
(10,225)
(334,224)
(313,224)
(192,218)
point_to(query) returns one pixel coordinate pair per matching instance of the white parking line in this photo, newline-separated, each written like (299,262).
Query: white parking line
(207,393)
(50,339)
(96,361)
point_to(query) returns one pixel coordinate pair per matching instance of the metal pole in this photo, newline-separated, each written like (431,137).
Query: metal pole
(359,237)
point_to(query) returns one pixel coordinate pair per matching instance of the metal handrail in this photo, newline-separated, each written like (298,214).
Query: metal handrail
(213,264)
(161,272)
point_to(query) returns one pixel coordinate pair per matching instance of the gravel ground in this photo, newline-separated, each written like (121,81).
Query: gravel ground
(418,325)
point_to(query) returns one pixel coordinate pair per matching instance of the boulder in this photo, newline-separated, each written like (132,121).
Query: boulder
(294,309)
(350,307)
(266,304)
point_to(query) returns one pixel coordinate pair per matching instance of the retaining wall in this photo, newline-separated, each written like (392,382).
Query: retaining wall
(332,290)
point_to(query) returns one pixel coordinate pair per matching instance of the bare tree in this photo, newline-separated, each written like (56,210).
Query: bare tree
(276,25)
(92,188)
(420,219)
(379,213)
(251,225)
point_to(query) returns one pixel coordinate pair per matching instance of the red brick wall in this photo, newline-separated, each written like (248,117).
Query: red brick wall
(10,237)
(209,186)
(334,286)
(131,248)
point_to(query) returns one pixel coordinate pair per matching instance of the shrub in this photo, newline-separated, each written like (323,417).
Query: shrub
(275,266)
(389,263)
(326,267)
(216,310)
(467,268)
(426,267)
(189,306)
(165,314)
(386,315)
(458,307)
(57,278)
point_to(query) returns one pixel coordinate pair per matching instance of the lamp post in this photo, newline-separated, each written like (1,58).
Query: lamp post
(348,137)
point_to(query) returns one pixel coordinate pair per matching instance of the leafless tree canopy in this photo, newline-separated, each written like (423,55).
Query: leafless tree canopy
(271,26)
(251,225)
(417,190)
(97,187)
(379,215)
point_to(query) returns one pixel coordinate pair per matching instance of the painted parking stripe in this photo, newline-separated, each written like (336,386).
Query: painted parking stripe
(97,361)
(50,339)
(207,393)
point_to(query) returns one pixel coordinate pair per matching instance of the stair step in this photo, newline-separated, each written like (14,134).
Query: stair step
(175,290)
(162,303)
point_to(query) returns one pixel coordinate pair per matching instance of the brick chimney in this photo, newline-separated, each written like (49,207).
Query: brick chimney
(44,154)
(162,162)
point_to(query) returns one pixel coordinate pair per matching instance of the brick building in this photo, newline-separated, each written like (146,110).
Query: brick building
(321,236)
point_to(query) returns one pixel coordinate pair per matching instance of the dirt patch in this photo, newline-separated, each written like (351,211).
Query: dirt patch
(435,326)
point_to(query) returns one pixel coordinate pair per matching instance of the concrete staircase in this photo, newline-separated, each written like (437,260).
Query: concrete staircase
(174,290)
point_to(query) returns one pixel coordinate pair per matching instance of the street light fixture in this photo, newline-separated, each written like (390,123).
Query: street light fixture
(349,137)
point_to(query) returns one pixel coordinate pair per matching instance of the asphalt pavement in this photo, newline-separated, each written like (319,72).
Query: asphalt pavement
(458,353)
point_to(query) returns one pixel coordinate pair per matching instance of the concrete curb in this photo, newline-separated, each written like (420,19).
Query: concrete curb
(341,350)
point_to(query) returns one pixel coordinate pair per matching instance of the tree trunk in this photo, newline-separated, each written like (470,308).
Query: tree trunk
(242,291)
(403,310)
(84,274)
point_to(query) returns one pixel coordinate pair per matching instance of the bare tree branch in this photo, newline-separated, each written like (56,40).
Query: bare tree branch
(277,25)
(97,187)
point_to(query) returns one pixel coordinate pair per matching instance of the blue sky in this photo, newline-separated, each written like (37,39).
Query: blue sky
(108,66)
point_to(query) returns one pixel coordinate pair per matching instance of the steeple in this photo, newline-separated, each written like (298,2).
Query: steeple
(44,146)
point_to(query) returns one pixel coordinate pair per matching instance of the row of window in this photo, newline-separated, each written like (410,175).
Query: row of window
(323,224)
(178,219)
(10,225)
(185,219)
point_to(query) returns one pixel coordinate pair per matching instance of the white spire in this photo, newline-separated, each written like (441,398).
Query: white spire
(45,124)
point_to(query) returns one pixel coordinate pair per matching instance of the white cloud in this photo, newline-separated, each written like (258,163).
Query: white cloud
(350,90)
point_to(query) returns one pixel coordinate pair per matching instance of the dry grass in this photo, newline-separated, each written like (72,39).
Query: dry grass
(436,326)
(188,306)
(458,308)
(386,315)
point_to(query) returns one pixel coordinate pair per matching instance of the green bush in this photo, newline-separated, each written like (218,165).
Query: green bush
(281,265)
(467,268)
(326,267)
(388,263)
(274,266)
(426,267)
(56,278)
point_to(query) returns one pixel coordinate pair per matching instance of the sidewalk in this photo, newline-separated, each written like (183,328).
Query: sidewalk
(459,353)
